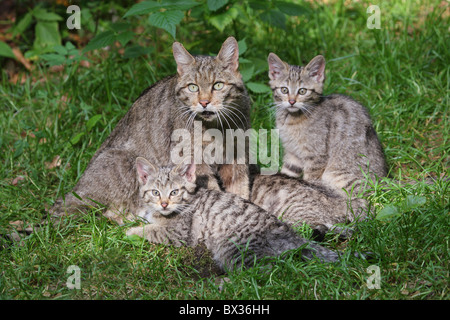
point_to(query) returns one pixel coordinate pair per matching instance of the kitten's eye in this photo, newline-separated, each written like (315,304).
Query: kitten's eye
(302,91)
(155,193)
(193,87)
(218,86)
(174,192)
(284,90)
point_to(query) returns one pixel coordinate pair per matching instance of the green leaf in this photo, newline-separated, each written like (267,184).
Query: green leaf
(166,20)
(47,35)
(93,121)
(6,51)
(388,212)
(101,40)
(143,8)
(44,15)
(274,17)
(23,24)
(291,9)
(257,87)
(222,20)
(413,202)
(125,37)
(136,51)
(53,59)
(242,46)
(77,138)
(215,5)
(134,239)
(247,73)
(182,5)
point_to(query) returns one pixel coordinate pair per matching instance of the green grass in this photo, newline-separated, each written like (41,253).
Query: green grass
(401,73)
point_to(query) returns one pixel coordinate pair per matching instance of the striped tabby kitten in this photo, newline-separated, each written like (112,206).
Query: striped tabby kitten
(235,230)
(328,139)
(295,202)
(206,89)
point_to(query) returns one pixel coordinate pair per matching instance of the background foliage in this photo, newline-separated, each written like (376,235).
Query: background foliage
(62,92)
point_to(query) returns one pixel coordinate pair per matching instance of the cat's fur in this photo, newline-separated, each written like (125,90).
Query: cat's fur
(235,230)
(327,139)
(295,202)
(147,127)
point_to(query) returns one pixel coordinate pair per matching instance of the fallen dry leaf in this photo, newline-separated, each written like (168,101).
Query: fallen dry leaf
(21,58)
(16,180)
(56,162)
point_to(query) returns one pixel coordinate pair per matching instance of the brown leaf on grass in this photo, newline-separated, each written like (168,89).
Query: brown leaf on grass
(21,58)
(16,180)
(56,162)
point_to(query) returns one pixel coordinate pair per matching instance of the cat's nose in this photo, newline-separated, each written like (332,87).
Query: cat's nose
(204,103)
(164,204)
(292,102)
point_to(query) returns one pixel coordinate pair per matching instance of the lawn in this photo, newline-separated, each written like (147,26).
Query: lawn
(56,115)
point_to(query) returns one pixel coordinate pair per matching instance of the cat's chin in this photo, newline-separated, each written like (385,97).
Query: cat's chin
(208,115)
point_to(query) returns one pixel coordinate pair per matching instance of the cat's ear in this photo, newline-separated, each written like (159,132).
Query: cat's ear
(182,57)
(316,69)
(229,54)
(277,67)
(186,170)
(144,170)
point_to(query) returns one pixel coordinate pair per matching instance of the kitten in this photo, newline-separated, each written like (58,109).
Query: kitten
(295,202)
(328,139)
(206,89)
(235,230)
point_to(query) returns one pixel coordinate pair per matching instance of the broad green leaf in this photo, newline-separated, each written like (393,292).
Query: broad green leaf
(76,138)
(242,46)
(93,121)
(291,9)
(388,212)
(44,15)
(413,202)
(125,37)
(143,8)
(257,87)
(101,40)
(247,73)
(53,59)
(274,17)
(215,5)
(167,20)
(134,239)
(47,35)
(23,24)
(6,51)
(136,51)
(222,20)
(182,5)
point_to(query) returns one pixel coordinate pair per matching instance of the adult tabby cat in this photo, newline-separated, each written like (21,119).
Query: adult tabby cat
(235,230)
(328,139)
(206,89)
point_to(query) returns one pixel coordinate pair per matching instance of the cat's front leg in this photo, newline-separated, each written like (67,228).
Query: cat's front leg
(157,234)
(236,179)
(292,166)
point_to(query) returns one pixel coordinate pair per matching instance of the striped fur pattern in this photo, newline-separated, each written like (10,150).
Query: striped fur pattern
(146,130)
(236,231)
(326,139)
(295,202)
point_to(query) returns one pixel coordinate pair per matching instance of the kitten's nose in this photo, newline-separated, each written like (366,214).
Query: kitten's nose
(292,102)
(164,204)
(204,103)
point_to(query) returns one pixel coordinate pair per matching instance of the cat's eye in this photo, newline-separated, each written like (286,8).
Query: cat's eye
(302,91)
(193,87)
(155,193)
(174,192)
(284,90)
(218,86)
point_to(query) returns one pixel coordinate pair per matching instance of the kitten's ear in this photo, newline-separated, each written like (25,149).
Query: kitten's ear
(316,69)
(183,58)
(277,67)
(144,170)
(186,170)
(229,54)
